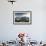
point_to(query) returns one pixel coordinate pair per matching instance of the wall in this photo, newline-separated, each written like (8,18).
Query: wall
(9,31)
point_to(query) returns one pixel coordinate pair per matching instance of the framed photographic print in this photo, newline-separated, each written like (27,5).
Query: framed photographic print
(22,17)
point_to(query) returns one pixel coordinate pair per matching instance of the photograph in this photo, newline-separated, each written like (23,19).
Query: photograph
(22,17)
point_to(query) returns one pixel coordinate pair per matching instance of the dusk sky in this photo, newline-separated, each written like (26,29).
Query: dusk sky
(19,14)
